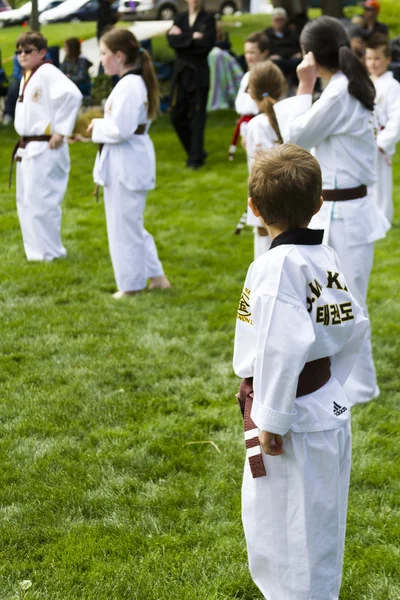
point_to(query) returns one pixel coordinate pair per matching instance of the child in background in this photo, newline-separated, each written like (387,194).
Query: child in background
(256,49)
(125,164)
(298,333)
(75,66)
(45,115)
(267,85)
(387,104)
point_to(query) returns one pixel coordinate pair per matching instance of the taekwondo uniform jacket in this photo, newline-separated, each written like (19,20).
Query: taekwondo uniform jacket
(50,103)
(388,114)
(295,308)
(341,134)
(125,155)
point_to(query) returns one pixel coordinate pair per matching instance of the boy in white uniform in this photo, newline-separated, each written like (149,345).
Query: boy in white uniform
(256,49)
(298,334)
(45,114)
(387,100)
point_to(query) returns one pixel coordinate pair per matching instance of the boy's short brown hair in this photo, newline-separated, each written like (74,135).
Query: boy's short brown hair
(374,42)
(260,39)
(32,38)
(285,186)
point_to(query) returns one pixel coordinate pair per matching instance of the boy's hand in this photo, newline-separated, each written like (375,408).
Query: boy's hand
(307,74)
(197,35)
(271,443)
(56,141)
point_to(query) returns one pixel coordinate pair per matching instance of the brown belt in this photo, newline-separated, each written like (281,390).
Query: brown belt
(141,130)
(313,377)
(22,143)
(345,194)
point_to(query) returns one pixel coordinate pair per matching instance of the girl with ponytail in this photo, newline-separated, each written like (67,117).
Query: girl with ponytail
(125,163)
(340,128)
(267,85)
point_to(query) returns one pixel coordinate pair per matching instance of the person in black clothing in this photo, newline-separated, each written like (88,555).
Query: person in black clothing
(284,44)
(105,17)
(192,37)
(371,11)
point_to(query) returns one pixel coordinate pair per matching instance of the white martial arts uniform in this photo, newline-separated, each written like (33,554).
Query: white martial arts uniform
(244,103)
(341,132)
(388,112)
(50,103)
(259,136)
(295,308)
(126,168)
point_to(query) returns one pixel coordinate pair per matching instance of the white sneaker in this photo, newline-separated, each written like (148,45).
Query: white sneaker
(7,119)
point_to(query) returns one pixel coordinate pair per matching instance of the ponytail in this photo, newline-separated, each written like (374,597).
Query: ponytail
(327,39)
(360,84)
(150,80)
(267,106)
(123,40)
(267,85)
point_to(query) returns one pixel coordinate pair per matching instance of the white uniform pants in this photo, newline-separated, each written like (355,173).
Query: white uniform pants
(295,518)
(357,261)
(132,249)
(42,181)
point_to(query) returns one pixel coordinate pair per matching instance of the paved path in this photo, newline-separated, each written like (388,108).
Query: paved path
(142,30)
(147,29)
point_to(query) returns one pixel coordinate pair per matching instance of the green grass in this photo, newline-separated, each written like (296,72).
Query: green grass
(101,496)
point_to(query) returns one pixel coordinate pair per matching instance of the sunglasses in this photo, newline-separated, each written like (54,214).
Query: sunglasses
(26,51)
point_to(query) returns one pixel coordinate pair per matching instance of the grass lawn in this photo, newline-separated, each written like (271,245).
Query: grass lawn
(107,491)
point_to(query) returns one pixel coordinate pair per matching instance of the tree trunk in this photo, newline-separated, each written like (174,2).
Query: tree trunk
(34,20)
(333,8)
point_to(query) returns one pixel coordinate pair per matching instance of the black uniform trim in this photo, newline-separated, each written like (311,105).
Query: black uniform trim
(134,71)
(300,237)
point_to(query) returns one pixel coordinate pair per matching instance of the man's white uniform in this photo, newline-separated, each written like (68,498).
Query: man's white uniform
(126,167)
(295,308)
(50,103)
(260,136)
(341,133)
(388,112)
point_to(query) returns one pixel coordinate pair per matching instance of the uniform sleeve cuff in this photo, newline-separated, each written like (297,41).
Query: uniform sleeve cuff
(268,419)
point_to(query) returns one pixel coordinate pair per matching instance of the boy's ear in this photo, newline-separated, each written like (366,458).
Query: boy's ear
(320,203)
(42,53)
(254,209)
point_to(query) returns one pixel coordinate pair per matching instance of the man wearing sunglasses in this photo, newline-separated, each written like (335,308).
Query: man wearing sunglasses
(45,114)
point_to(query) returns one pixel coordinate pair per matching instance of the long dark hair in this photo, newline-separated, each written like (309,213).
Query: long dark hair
(327,39)
(124,41)
(74,47)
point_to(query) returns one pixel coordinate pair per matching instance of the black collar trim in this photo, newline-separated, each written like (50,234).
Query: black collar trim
(301,237)
(134,71)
